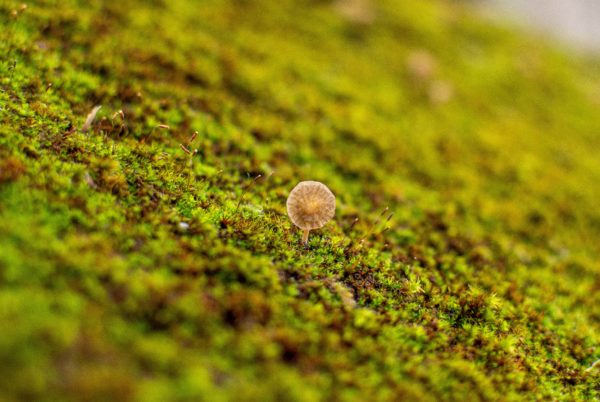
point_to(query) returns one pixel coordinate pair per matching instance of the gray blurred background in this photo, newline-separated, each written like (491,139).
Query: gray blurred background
(575,22)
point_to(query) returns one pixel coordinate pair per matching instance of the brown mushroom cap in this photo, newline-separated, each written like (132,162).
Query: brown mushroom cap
(310,205)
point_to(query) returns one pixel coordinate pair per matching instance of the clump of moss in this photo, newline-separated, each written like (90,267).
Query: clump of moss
(132,268)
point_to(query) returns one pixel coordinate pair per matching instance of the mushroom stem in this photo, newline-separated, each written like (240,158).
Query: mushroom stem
(305,236)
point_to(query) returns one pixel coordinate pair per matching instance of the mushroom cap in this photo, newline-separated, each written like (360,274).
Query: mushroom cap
(310,205)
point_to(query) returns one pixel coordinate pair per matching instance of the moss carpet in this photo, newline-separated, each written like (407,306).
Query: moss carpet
(149,257)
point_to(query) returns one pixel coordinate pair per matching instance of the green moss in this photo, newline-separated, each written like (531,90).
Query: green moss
(462,262)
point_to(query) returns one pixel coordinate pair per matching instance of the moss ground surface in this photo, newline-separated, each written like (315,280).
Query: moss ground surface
(463,262)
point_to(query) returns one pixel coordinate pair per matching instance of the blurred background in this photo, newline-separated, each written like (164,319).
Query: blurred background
(575,22)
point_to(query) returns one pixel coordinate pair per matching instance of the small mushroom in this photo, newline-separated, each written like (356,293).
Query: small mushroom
(310,205)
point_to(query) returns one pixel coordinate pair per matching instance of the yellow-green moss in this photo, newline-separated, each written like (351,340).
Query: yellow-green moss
(132,269)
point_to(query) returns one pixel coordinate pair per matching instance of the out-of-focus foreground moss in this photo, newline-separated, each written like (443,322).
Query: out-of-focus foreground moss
(131,269)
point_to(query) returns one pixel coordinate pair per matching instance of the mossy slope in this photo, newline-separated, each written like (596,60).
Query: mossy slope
(131,269)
